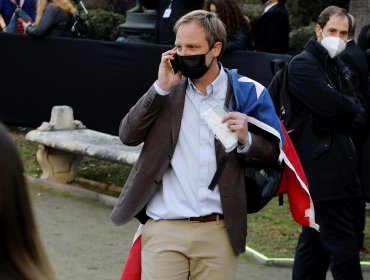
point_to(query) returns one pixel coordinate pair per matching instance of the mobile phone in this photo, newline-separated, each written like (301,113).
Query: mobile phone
(174,64)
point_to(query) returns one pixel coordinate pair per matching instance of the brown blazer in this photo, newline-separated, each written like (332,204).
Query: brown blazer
(155,120)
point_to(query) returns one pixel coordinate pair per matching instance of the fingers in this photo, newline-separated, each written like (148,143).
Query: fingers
(166,79)
(235,119)
(238,123)
(168,55)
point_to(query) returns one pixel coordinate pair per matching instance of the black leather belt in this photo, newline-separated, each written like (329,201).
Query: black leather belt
(204,219)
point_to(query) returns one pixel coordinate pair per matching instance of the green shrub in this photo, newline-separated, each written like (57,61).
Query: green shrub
(252,11)
(299,36)
(302,12)
(104,25)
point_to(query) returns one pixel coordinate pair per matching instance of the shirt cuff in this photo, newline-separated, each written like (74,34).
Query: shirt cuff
(245,148)
(159,90)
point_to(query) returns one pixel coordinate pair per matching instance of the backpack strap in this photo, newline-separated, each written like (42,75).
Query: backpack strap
(277,64)
(220,168)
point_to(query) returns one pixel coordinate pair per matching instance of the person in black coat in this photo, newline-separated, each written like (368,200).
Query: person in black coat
(355,59)
(168,12)
(236,23)
(271,30)
(333,115)
(363,41)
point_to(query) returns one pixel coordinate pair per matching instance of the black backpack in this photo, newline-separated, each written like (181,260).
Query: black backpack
(281,97)
(261,185)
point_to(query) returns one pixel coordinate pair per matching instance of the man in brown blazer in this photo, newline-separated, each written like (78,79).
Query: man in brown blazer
(189,229)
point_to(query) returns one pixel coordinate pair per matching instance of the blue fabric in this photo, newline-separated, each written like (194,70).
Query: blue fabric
(19,13)
(7,9)
(253,103)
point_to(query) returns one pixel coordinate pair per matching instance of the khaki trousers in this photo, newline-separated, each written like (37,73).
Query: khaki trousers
(180,250)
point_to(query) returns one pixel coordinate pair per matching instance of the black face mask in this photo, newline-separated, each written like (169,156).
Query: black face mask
(193,66)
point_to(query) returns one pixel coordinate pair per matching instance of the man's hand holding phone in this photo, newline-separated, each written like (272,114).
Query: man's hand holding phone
(168,73)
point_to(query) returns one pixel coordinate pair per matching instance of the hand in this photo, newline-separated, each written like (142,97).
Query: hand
(25,25)
(166,79)
(238,122)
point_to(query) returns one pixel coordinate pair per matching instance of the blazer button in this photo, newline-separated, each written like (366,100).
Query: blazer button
(169,157)
(156,182)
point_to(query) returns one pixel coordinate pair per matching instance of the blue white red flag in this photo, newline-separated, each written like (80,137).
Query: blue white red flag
(254,100)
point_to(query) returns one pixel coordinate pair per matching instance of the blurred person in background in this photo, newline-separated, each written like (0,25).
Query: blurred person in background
(52,18)
(271,30)
(363,41)
(9,10)
(168,12)
(236,23)
(355,59)
(22,256)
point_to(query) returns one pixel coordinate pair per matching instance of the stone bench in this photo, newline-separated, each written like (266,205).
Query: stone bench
(64,141)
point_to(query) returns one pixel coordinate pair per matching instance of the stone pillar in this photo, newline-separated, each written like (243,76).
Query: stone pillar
(139,27)
(59,165)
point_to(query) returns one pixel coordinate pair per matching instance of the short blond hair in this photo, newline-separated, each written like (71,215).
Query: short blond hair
(214,28)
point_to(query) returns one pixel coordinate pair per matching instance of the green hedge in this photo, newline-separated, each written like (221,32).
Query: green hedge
(103,25)
(303,12)
(299,36)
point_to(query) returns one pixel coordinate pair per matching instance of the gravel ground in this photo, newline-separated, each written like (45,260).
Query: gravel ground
(83,244)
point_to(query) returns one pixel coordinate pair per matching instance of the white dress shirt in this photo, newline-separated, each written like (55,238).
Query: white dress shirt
(184,191)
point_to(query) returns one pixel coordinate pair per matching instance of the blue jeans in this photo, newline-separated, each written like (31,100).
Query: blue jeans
(18,13)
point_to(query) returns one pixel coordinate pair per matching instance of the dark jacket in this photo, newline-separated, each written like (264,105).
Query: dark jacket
(271,30)
(364,42)
(332,115)
(53,23)
(149,121)
(243,41)
(364,37)
(164,33)
(355,58)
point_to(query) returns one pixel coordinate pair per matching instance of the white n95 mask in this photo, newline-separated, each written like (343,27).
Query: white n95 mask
(333,45)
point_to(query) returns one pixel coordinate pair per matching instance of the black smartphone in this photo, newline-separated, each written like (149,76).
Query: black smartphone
(174,64)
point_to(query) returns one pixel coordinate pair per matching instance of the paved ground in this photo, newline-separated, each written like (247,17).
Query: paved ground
(83,244)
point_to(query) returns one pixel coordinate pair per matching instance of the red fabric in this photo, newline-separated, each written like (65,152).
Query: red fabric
(132,269)
(298,195)
(20,28)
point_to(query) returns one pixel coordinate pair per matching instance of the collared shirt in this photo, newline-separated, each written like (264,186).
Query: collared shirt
(184,191)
